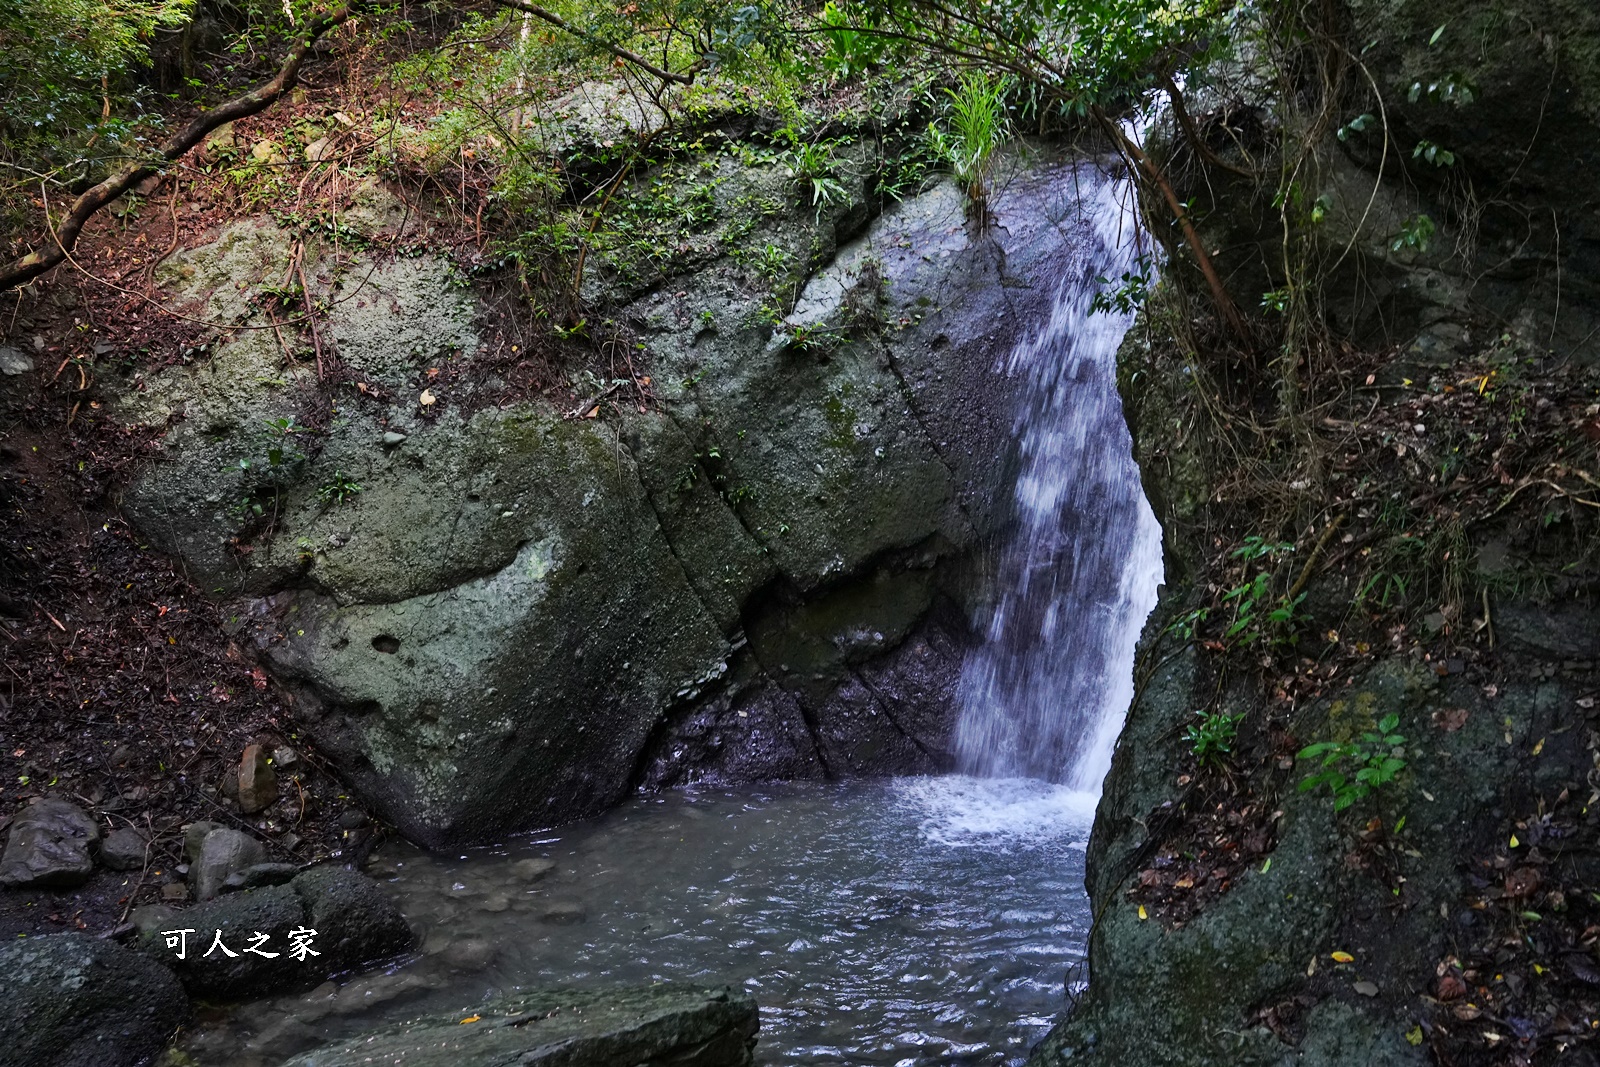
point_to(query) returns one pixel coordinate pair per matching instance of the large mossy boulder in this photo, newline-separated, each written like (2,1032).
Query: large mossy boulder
(661,1025)
(496,613)
(70,1000)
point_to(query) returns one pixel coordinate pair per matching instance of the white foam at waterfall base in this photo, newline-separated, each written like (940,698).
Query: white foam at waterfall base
(957,811)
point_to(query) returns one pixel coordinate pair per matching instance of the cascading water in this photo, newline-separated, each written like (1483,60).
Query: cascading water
(1045,695)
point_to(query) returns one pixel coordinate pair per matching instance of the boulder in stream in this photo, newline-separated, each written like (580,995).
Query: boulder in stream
(695,1027)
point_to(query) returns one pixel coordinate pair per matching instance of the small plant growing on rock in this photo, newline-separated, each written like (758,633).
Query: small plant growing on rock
(1212,736)
(338,489)
(1374,761)
(273,465)
(812,165)
(1125,297)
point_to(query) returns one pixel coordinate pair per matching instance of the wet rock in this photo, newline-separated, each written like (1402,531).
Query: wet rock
(284,1037)
(258,782)
(364,994)
(563,912)
(663,1024)
(75,1001)
(259,874)
(175,892)
(466,956)
(223,853)
(124,849)
(49,846)
(356,921)
(754,731)
(352,819)
(533,870)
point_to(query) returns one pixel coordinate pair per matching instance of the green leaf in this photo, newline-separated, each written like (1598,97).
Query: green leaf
(1438,33)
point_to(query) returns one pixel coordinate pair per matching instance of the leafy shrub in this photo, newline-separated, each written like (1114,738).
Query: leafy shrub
(1373,761)
(976,128)
(1212,736)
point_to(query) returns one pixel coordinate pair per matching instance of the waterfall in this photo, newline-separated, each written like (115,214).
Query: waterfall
(1044,696)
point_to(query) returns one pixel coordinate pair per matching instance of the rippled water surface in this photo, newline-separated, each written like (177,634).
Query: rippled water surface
(918,921)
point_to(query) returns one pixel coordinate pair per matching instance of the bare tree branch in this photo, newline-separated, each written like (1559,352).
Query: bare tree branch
(1175,95)
(21,271)
(1153,175)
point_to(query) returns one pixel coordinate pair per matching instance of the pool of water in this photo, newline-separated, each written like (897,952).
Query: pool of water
(908,922)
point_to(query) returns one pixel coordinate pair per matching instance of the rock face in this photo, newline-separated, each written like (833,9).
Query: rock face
(764,573)
(51,844)
(351,922)
(662,1025)
(75,1001)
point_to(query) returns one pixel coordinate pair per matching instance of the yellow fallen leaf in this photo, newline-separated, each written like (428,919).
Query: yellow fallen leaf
(1143,915)
(1414,1036)
(1514,841)
(469,1019)
(1539,747)
(428,398)
(1343,957)
(593,412)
